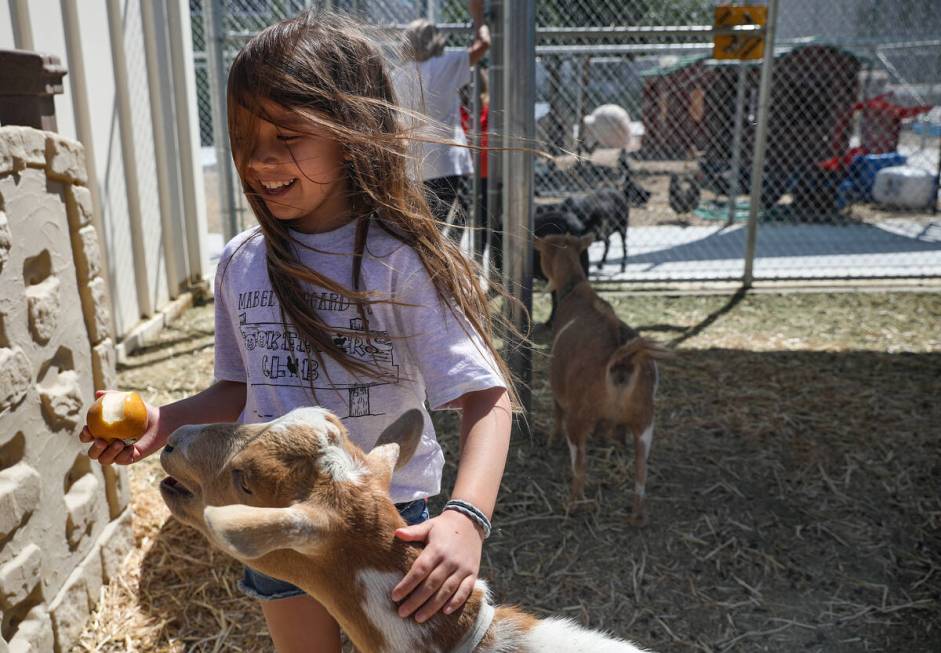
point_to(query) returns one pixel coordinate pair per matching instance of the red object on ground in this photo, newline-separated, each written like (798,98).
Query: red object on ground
(881,126)
(839,163)
(882,122)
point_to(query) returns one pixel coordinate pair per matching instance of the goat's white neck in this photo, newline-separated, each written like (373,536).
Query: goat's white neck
(355,583)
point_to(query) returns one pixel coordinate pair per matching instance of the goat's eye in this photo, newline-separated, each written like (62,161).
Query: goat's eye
(239,479)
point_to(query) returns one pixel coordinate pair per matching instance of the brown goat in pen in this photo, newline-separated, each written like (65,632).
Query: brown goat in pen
(603,373)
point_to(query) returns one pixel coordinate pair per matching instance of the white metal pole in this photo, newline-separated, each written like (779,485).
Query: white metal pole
(22,28)
(737,141)
(519,42)
(218,77)
(129,157)
(83,130)
(158,83)
(187,133)
(171,124)
(761,138)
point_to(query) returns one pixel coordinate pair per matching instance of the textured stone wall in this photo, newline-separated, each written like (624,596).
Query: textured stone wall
(64,521)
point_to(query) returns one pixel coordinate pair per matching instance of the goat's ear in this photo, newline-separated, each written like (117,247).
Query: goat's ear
(247,532)
(383,459)
(538,244)
(397,444)
(585,242)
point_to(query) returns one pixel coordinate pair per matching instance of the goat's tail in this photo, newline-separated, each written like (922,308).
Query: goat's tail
(627,362)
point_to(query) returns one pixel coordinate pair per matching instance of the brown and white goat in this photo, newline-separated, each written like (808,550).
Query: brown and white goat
(295,499)
(603,373)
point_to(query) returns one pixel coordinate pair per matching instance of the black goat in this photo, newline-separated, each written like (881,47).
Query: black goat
(605,211)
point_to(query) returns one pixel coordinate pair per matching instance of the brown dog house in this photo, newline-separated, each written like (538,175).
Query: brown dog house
(689,106)
(674,107)
(813,91)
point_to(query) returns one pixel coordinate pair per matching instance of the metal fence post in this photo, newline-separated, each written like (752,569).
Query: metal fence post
(737,140)
(761,138)
(519,92)
(496,142)
(218,74)
(22,27)
(160,86)
(187,134)
(473,219)
(129,157)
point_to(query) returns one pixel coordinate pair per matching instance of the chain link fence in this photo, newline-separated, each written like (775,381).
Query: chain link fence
(856,88)
(628,97)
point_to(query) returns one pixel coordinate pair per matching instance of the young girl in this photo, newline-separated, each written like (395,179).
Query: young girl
(346,295)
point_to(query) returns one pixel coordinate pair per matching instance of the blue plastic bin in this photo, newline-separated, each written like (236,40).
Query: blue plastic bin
(862,172)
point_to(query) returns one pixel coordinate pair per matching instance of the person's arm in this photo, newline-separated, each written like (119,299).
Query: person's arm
(444,573)
(481,43)
(223,401)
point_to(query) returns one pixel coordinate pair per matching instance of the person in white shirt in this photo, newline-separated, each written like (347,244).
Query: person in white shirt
(430,86)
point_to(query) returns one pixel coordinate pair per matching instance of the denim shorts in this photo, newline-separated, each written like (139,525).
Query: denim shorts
(265,588)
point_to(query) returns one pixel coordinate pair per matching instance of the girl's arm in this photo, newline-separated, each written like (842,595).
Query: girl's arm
(445,572)
(478,48)
(223,401)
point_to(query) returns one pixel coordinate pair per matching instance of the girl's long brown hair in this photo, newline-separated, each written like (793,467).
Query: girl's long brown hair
(327,69)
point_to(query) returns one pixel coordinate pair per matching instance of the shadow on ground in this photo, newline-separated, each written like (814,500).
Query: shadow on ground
(793,501)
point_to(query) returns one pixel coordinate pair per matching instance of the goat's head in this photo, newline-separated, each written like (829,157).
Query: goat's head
(559,257)
(289,484)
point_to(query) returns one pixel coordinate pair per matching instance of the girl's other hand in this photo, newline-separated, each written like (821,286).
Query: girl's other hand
(444,573)
(115,451)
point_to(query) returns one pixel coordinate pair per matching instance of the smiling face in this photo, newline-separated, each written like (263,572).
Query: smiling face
(294,166)
(287,484)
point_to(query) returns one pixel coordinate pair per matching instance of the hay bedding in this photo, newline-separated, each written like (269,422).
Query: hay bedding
(793,495)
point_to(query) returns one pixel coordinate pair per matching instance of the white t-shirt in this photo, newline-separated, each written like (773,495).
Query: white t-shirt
(431,88)
(424,349)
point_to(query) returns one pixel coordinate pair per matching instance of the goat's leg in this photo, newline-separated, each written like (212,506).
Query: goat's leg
(604,254)
(558,419)
(643,440)
(624,247)
(576,433)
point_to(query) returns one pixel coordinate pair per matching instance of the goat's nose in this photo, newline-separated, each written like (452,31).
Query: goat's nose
(176,440)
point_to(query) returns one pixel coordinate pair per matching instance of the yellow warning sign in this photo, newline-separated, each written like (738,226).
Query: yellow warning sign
(746,45)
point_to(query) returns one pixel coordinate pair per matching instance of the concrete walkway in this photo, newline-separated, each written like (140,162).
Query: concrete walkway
(895,248)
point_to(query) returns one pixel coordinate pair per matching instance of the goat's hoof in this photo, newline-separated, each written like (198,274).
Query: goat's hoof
(638,519)
(577,504)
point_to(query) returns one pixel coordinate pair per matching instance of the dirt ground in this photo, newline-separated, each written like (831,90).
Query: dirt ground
(793,497)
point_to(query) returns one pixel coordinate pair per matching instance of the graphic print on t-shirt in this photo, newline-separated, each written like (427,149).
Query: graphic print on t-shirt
(278,355)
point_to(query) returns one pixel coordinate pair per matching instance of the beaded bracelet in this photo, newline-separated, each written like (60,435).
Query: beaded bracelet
(472,511)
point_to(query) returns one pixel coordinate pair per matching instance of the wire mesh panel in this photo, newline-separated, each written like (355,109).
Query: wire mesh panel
(622,111)
(856,89)
(850,179)
(651,138)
